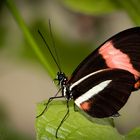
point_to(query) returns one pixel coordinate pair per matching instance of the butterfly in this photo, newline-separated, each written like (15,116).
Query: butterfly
(104,80)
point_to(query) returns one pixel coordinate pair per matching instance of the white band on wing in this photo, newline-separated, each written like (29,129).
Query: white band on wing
(91,92)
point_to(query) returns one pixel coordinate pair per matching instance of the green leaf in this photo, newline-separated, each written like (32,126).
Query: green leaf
(95,7)
(134,134)
(77,126)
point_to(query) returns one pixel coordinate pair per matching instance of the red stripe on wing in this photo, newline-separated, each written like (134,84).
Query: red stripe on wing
(114,58)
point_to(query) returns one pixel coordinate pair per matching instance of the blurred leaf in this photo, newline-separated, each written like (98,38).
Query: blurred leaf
(3,33)
(8,133)
(77,126)
(134,134)
(3,113)
(95,7)
(132,8)
(1,4)
(98,7)
(28,36)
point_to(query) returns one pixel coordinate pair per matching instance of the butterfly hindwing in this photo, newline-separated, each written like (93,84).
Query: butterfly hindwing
(103,93)
(120,51)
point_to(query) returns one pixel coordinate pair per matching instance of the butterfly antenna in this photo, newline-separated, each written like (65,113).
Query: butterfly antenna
(47,45)
(53,43)
(64,118)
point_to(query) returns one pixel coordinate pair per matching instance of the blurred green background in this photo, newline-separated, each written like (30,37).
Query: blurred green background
(78,28)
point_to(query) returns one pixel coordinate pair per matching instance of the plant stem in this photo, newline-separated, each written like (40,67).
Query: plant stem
(18,18)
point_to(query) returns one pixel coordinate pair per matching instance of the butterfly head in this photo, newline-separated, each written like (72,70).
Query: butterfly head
(61,78)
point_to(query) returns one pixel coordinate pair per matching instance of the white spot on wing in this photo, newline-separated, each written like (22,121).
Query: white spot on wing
(90,93)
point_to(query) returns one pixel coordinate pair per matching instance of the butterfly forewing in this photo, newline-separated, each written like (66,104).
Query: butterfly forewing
(120,51)
(103,93)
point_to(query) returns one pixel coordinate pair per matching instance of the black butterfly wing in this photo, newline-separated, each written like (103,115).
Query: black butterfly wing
(103,93)
(120,51)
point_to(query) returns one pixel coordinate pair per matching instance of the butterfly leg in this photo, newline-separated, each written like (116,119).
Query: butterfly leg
(64,118)
(50,99)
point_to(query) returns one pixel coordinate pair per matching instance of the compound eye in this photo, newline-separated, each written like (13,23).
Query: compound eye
(60,77)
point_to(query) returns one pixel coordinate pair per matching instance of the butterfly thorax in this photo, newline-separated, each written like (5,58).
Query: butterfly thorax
(63,83)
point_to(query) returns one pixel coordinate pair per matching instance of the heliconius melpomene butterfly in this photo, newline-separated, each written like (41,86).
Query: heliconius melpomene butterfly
(103,82)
